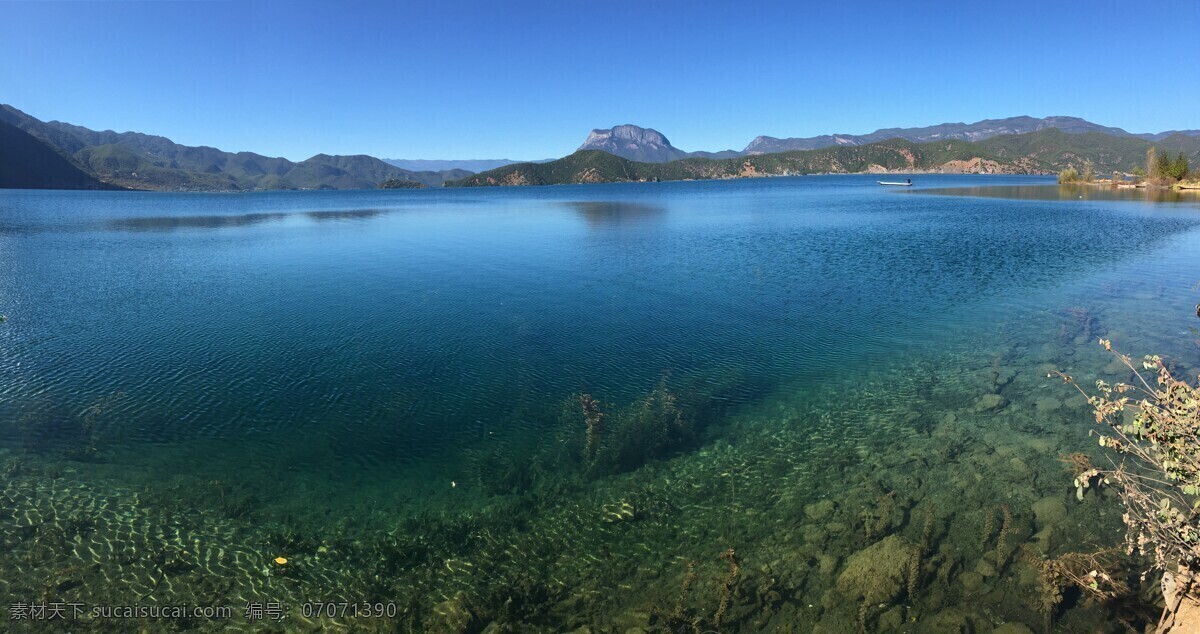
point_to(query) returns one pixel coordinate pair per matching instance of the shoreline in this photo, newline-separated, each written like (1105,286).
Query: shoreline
(1105,182)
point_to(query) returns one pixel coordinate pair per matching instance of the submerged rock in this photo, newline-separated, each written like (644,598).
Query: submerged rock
(819,510)
(1045,369)
(1018,470)
(877,573)
(1049,511)
(951,620)
(891,620)
(985,568)
(814,535)
(1012,628)
(828,564)
(1052,353)
(1040,542)
(1028,576)
(1047,404)
(990,403)
(835,623)
(1040,444)
(971,581)
(1116,367)
(452,615)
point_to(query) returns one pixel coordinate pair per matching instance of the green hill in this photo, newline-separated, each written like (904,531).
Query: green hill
(1043,152)
(584,166)
(144,161)
(27,163)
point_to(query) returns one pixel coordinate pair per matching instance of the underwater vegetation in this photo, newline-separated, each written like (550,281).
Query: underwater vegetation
(625,438)
(53,429)
(682,618)
(937,494)
(593,439)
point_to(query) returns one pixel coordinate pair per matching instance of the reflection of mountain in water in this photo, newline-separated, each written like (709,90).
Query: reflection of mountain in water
(358,214)
(601,214)
(173,223)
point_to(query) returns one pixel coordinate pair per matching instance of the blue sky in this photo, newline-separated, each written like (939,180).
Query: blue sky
(466,79)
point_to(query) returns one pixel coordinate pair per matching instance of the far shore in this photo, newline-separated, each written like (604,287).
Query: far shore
(1108,182)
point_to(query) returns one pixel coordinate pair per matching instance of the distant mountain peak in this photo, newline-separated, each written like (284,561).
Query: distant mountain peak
(633,142)
(645,145)
(626,133)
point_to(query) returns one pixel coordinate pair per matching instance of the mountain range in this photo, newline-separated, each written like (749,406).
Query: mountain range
(1046,150)
(142,161)
(977,131)
(39,154)
(647,145)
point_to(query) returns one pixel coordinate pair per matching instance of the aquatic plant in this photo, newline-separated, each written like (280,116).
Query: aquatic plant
(622,439)
(1080,322)
(689,578)
(1001,553)
(679,619)
(56,430)
(1085,571)
(13,467)
(731,577)
(1083,472)
(927,531)
(997,375)
(914,574)
(1152,426)
(593,418)
(1077,463)
(884,513)
(989,515)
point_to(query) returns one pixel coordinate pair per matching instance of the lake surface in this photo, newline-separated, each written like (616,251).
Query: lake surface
(389,389)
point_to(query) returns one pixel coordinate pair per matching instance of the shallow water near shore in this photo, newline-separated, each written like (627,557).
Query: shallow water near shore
(819,404)
(1073,191)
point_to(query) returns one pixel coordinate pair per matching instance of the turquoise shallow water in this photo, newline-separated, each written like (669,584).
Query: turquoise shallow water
(321,374)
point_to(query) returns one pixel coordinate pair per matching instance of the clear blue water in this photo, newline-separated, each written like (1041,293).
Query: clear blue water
(333,355)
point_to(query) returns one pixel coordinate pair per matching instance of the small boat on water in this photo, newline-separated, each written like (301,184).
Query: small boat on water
(906,183)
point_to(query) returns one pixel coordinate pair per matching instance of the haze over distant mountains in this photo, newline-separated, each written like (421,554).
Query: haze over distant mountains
(470,165)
